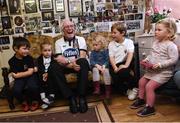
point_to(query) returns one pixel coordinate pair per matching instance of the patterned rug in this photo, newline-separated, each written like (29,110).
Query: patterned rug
(98,112)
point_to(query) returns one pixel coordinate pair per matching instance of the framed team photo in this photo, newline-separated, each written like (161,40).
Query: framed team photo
(45,4)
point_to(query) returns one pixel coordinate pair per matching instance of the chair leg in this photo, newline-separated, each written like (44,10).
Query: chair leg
(10,99)
(8,90)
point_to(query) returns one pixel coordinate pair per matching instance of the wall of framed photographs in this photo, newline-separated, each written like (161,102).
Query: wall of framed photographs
(20,16)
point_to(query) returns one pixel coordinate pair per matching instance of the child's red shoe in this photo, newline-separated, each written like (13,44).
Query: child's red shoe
(25,106)
(34,106)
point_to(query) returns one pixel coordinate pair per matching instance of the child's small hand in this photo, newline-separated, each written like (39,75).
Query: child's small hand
(45,76)
(99,67)
(121,67)
(116,69)
(155,66)
(14,75)
(35,69)
(145,60)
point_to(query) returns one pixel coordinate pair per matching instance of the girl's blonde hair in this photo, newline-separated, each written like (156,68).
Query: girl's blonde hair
(171,27)
(102,40)
(45,42)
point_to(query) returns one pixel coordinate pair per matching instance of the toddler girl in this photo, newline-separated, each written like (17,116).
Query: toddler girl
(99,62)
(162,58)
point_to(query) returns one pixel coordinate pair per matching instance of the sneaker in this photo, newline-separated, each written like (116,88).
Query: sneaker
(44,106)
(132,95)
(34,106)
(50,99)
(146,111)
(128,91)
(25,106)
(138,103)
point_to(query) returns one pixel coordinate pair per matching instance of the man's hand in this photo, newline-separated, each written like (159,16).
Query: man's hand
(122,67)
(76,67)
(61,59)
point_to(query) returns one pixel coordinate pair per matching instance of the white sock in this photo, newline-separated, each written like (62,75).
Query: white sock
(52,95)
(42,95)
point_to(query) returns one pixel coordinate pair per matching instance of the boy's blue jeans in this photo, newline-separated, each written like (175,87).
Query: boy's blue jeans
(30,85)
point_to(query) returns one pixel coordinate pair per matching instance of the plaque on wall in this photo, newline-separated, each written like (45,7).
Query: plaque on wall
(18,20)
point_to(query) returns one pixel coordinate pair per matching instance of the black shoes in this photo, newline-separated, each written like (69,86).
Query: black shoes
(73,106)
(137,104)
(146,111)
(83,107)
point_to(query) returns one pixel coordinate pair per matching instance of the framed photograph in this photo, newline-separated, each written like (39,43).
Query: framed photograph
(88,8)
(129,17)
(59,5)
(45,24)
(133,25)
(47,30)
(32,23)
(4,40)
(2,3)
(75,8)
(19,30)
(139,16)
(30,6)
(14,7)
(45,4)
(6,22)
(47,15)
(8,31)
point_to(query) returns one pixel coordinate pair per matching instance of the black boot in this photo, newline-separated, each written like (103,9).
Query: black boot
(83,107)
(73,105)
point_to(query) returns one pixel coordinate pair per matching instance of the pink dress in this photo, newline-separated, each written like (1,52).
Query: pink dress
(165,53)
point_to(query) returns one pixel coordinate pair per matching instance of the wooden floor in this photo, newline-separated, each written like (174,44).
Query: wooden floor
(167,110)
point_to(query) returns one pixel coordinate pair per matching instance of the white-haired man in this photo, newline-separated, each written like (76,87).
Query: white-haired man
(70,53)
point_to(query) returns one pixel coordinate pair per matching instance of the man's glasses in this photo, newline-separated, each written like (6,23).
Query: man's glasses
(68,26)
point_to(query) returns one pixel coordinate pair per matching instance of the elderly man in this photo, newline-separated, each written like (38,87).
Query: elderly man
(70,54)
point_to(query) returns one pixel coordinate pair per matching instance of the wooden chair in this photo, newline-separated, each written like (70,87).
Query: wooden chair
(7,87)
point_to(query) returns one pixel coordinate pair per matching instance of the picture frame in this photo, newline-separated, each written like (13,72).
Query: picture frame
(88,8)
(133,25)
(30,6)
(59,5)
(47,15)
(4,40)
(45,4)
(2,3)
(14,7)
(18,30)
(6,22)
(75,8)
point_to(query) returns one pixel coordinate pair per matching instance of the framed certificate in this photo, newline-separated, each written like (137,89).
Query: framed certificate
(59,5)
